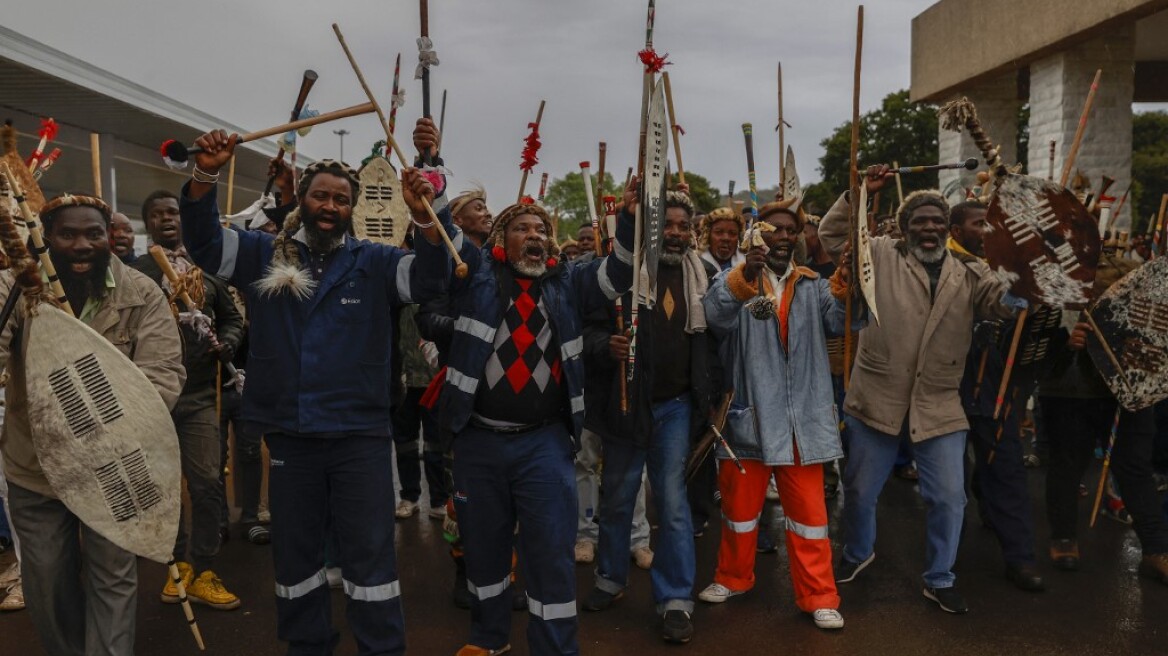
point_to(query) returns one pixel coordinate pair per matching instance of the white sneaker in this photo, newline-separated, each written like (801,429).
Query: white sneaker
(405,509)
(333,576)
(643,557)
(10,575)
(264,516)
(15,598)
(437,512)
(585,551)
(828,618)
(716,593)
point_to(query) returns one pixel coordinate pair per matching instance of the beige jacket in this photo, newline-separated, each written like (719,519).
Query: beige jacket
(912,363)
(135,317)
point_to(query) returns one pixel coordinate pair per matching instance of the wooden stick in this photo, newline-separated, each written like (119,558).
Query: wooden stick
(186,604)
(674,127)
(231,186)
(393,100)
(1009,369)
(306,83)
(601,192)
(460,268)
(624,364)
(543,180)
(1070,163)
(39,249)
(730,196)
(1159,223)
(95,161)
(180,153)
(590,199)
(899,187)
(628,177)
(854,183)
(441,121)
(782,149)
(1106,466)
(523,180)
(1050,171)
(1115,210)
(424,14)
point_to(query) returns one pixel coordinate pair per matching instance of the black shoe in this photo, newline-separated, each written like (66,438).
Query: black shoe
(1025,577)
(1065,554)
(259,534)
(677,626)
(948,599)
(700,529)
(600,600)
(765,544)
(846,570)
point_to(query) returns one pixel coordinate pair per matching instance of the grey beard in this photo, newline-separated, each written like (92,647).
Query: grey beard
(530,270)
(927,257)
(672,259)
(778,264)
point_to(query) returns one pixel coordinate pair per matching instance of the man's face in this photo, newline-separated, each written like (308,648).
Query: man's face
(926,233)
(675,236)
(585,238)
(724,238)
(270,228)
(79,243)
(475,220)
(526,244)
(781,241)
(970,233)
(326,211)
(121,235)
(163,224)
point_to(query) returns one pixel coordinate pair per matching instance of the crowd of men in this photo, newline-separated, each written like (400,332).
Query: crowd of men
(522,377)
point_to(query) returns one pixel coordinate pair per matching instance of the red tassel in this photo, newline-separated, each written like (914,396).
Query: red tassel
(499,254)
(527,200)
(433,390)
(48,129)
(653,62)
(680,129)
(552,262)
(531,149)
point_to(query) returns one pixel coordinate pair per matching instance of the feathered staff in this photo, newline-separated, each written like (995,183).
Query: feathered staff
(46,164)
(47,133)
(530,156)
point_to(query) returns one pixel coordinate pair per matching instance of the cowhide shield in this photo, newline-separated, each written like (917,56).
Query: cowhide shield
(381,214)
(1132,316)
(863,255)
(1043,241)
(653,188)
(103,435)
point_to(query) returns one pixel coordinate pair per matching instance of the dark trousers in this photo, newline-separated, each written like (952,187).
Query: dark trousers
(249,459)
(410,421)
(1073,427)
(1160,455)
(1000,488)
(198,440)
(527,478)
(343,485)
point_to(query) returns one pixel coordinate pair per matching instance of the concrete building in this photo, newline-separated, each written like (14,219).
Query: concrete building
(38,81)
(1004,53)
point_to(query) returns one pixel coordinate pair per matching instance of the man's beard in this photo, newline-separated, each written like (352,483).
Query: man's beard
(322,241)
(669,258)
(90,284)
(531,269)
(778,263)
(925,256)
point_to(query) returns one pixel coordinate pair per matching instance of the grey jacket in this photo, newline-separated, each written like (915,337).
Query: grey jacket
(782,397)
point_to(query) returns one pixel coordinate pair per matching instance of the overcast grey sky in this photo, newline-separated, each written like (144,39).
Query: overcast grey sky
(242,61)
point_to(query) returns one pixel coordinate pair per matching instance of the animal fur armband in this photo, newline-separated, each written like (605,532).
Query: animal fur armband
(839,288)
(736,282)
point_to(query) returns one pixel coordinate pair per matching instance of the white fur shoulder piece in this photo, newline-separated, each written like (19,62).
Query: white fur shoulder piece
(286,277)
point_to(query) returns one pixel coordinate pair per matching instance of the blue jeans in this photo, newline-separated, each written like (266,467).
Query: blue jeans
(941,464)
(674,562)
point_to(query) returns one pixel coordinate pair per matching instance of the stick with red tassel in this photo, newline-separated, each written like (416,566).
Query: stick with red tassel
(530,150)
(47,133)
(542,186)
(46,164)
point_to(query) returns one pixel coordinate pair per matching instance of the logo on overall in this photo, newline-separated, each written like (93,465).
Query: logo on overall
(350,301)
(276,463)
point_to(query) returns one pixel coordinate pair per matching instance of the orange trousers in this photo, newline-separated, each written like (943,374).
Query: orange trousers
(805,508)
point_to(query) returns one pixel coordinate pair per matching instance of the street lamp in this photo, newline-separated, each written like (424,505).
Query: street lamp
(341,133)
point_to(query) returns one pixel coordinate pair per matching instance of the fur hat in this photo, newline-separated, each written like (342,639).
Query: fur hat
(75,200)
(782,207)
(465,198)
(511,212)
(918,199)
(718,214)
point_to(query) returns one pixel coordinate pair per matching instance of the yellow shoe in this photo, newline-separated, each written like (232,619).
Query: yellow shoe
(170,590)
(209,590)
(474,650)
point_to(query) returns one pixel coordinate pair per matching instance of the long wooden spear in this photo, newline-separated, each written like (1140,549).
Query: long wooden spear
(460,268)
(780,128)
(1106,466)
(854,185)
(674,127)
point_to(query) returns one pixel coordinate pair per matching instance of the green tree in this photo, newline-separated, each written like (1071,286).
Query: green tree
(899,131)
(1149,163)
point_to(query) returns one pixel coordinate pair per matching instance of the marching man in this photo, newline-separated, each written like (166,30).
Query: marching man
(782,420)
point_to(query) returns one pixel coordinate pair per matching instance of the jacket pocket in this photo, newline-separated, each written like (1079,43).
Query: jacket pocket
(742,425)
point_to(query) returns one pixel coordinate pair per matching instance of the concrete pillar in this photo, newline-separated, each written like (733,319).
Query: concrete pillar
(1059,85)
(997,108)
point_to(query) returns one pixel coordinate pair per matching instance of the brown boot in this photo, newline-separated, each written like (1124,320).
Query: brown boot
(1155,566)
(1065,554)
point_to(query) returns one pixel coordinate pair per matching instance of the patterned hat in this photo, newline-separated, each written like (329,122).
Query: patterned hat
(525,206)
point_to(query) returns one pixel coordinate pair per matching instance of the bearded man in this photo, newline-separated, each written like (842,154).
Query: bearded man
(194,415)
(318,383)
(718,238)
(782,421)
(513,404)
(667,407)
(121,235)
(81,589)
(906,376)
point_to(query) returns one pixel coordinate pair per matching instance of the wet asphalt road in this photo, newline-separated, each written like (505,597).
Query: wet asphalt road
(1102,609)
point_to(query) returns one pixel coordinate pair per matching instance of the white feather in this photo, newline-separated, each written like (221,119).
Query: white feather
(285,277)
